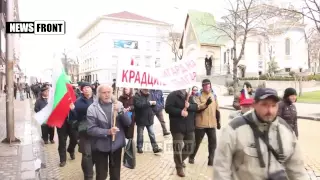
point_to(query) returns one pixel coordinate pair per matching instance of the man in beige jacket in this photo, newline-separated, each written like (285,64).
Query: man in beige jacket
(259,145)
(207,120)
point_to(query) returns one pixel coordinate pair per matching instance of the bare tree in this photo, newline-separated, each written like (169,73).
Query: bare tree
(314,48)
(173,39)
(245,18)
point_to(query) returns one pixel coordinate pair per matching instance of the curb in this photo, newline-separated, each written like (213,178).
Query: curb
(300,117)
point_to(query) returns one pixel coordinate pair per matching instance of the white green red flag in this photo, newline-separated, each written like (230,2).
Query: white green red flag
(61,95)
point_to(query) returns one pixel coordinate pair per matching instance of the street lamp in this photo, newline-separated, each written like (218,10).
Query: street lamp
(228,51)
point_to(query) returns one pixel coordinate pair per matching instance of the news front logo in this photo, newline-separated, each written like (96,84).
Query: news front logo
(37,27)
(168,146)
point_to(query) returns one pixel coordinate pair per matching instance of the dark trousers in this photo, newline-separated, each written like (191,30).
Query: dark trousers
(28,95)
(212,141)
(106,161)
(63,133)
(15,94)
(208,69)
(47,132)
(151,134)
(162,122)
(87,162)
(183,144)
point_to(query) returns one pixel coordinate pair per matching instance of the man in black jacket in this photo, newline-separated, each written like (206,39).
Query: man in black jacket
(182,125)
(79,114)
(144,116)
(41,102)
(63,133)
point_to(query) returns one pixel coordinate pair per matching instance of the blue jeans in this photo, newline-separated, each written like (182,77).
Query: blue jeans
(151,134)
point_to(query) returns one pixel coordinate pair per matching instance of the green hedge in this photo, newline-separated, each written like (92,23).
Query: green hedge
(283,78)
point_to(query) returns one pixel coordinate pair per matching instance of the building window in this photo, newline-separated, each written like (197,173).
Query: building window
(158,46)
(157,63)
(288,46)
(148,45)
(148,61)
(287,69)
(136,61)
(259,48)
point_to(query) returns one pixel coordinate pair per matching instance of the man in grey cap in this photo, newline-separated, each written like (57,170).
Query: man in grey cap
(259,145)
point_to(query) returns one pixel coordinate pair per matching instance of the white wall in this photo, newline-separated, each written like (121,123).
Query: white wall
(298,57)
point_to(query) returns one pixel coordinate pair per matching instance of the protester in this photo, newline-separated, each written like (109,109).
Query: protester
(144,117)
(182,124)
(106,152)
(245,106)
(259,145)
(27,89)
(207,120)
(41,102)
(194,91)
(287,110)
(67,130)
(15,89)
(127,100)
(79,114)
(245,91)
(157,95)
(20,88)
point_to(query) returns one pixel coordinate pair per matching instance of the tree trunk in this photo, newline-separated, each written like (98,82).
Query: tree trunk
(300,86)
(235,77)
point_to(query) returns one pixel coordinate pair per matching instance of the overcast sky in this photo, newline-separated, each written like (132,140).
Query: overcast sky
(37,50)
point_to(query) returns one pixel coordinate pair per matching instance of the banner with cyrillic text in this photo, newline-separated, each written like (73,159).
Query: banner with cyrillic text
(179,75)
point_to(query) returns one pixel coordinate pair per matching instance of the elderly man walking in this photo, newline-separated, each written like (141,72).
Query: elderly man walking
(106,153)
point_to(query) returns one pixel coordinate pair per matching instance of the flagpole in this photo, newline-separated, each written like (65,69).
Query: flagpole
(115,113)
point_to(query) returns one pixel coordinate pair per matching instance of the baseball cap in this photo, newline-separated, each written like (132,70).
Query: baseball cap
(265,93)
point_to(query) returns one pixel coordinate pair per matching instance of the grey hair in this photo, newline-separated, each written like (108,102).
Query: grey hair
(104,86)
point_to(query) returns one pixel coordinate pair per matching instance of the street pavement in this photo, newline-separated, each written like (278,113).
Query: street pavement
(161,167)
(15,159)
(305,110)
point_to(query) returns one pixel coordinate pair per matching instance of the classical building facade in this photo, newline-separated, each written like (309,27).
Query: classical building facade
(18,74)
(285,44)
(120,38)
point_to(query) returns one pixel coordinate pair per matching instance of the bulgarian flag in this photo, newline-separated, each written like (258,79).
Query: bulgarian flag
(61,95)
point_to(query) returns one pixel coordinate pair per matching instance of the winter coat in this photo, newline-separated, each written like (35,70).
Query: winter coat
(237,158)
(288,112)
(144,115)
(175,103)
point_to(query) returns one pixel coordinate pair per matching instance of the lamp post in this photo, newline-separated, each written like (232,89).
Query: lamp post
(228,51)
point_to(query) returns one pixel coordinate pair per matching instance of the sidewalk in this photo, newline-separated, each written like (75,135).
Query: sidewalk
(17,160)
(305,110)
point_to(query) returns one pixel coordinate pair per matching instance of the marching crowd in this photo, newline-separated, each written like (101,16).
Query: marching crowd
(259,142)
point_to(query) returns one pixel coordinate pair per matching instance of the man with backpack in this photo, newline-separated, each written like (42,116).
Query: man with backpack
(259,145)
